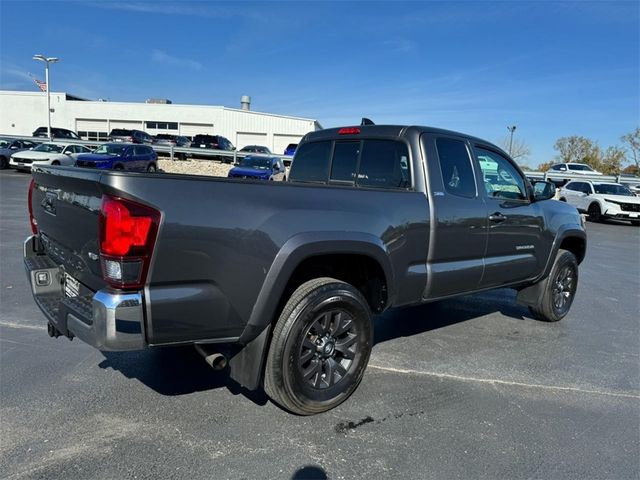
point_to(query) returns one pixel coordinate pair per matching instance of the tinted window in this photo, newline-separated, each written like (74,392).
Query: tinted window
(573,186)
(384,164)
(345,161)
(580,168)
(311,162)
(455,164)
(503,182)
(120,132)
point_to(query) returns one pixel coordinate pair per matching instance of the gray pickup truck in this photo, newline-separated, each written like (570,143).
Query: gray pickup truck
(278,281)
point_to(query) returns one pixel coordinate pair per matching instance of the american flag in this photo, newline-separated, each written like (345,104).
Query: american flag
(42,85)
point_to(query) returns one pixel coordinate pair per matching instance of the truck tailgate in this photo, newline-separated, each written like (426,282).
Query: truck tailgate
(66,205)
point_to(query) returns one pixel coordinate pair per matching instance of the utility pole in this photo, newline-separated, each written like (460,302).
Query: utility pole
(511,130)
(47,61)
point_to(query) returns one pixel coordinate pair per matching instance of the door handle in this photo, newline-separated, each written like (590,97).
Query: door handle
(497,217)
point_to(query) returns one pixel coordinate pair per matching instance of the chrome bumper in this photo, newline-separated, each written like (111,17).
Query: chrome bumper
(106,319)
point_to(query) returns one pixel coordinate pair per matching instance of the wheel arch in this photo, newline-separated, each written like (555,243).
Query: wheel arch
(248,364)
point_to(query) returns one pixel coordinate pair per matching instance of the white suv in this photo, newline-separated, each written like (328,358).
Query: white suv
(573,169)
(602,199)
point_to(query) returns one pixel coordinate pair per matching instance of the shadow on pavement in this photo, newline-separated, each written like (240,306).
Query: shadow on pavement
(408,321)
(310,472)
(175,371)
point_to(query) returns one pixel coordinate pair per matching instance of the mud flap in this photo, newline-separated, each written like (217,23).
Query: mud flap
(247,364)
(530,296)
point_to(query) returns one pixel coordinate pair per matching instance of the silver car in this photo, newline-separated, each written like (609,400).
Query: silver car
(8,146)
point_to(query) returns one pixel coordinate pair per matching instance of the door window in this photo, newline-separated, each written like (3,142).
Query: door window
(384,164)
(455,165)
(502,180)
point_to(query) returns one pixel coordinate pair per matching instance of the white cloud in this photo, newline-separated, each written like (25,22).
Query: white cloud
(164,58)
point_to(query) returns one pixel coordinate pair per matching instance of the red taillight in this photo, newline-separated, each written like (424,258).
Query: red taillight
(349,131)
(127,236)
(32,219)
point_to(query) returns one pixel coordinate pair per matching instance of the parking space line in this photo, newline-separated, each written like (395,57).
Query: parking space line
(504,382)
(18,325)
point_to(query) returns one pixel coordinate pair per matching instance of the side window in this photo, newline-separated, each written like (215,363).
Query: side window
(571,186)
(311,163)
(384,164)
(586,188)
(503,182)
(455,164)
(68,149)
(345,161)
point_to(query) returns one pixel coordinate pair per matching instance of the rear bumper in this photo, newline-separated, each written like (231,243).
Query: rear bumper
(106,319)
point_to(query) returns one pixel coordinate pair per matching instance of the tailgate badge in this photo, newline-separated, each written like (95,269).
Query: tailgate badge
(47,203)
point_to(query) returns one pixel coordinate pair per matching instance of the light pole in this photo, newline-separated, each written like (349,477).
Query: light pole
(47,61)
(511,129)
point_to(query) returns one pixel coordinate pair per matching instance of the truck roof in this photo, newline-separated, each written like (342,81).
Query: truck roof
(388,131)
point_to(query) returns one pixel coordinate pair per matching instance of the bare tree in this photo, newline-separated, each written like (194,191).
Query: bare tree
(632,141)
(576,149)
(519,149)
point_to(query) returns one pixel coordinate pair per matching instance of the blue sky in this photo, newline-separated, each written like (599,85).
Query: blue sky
(551,68)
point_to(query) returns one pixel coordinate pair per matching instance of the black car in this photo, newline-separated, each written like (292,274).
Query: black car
(255,149)
(130,136)
(55,133)
(214,142)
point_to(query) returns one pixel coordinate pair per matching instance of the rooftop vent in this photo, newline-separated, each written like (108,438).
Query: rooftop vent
(245,102)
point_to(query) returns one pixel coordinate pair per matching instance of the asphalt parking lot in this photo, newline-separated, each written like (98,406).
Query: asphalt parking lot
(465,388)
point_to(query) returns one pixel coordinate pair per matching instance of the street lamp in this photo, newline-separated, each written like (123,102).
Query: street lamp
(47,61)
(511,129)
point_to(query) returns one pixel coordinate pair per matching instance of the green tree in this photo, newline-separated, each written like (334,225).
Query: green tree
(632,142)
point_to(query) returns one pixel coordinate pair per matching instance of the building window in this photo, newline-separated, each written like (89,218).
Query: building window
(94,136)
(162,125)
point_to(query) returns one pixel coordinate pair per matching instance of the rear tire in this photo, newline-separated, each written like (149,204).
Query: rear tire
(635,223)
(151,168)
(557,297)
(320,347)
(118,167)
(595,214)
(4,163)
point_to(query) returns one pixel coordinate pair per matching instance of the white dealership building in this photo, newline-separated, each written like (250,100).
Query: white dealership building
(22,112)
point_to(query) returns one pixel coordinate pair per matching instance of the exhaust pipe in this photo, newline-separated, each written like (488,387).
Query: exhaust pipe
(217,361)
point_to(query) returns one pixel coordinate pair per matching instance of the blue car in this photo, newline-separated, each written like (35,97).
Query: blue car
(119,156)
(259,168)
(291,149)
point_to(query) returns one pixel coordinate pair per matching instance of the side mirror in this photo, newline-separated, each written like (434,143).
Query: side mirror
(543,190)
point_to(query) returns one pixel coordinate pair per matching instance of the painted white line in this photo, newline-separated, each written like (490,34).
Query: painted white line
(19,325)
(504,382)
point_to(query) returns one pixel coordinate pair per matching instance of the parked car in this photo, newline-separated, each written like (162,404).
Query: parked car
(55,133)
(214,142)
(280,280)
(291,149)
(574,169)
(255,149)
(47,154)
(9,146)
(602,200)
(259,168)
(168,140)
(634,187)
(130,136)
(118,156)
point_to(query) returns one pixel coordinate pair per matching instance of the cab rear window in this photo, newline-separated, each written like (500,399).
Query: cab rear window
(363,163)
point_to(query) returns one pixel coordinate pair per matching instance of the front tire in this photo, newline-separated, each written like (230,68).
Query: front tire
(560,290)
(595,214)
(4,163)
(151,168)
(320,347)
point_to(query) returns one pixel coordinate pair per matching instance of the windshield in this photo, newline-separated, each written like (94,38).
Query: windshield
(256,162)
(612,189)
(583,168)
(109,149)
(48,147)
(5,143)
